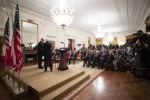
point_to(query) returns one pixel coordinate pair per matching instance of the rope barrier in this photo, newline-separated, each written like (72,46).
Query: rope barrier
(134,66)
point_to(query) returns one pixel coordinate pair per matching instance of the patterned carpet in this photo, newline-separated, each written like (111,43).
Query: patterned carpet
(94,72)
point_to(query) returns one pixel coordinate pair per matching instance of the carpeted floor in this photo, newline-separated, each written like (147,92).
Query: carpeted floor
(94,72)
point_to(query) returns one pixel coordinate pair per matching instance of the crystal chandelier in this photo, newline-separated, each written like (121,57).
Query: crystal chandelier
(98,33)
(110,38)
(4,4)
(63,16)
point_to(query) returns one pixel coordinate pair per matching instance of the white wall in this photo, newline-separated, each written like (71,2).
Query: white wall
(47,29)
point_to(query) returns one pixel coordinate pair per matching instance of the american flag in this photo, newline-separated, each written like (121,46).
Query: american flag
(16,44)
(6,48)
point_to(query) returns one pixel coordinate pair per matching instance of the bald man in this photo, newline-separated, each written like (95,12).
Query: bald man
(39,52)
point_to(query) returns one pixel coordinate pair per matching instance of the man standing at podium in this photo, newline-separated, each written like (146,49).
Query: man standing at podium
(39,52)
(47,52)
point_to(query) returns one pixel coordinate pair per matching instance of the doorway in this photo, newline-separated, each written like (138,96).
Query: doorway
(71,44)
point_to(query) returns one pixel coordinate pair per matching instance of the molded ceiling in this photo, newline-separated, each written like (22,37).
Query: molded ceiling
(114,15)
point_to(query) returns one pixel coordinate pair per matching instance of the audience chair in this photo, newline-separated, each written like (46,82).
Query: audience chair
(53,60)
(57,60)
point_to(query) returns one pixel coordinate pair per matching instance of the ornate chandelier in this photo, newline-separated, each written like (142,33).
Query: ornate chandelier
(63,15)
(110,38)
(4,4)
(98,33)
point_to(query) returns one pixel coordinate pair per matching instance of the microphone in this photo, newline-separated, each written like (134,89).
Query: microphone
(63,43)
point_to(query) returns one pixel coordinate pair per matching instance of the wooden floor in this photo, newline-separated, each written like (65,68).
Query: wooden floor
(109,85)
(112,85)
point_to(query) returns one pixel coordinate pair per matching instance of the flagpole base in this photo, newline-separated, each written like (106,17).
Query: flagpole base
(18,90)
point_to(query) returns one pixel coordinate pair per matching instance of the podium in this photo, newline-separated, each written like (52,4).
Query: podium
(62,64)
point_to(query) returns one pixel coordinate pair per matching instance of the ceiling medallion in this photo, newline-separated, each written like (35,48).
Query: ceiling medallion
(63,15)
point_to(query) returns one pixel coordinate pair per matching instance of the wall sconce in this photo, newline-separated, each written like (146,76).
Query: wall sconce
(30,21)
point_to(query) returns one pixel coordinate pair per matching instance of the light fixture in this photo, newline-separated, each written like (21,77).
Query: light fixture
(98,33)
(64,15)
(110,38)
(4,4)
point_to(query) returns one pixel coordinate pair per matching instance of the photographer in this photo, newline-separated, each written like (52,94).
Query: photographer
(139,57)
(142,36)
(147,56)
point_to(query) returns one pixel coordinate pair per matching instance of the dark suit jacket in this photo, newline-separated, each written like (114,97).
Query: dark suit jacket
(84,54)
(143,37)
(70,55)
(47,51)
(74,55)
(40,48)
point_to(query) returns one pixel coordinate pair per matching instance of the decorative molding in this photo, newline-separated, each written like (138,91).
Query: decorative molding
(50,36)
(30,21)
(1,28)
(119,12)
(72,34)
(31,12)
(143,14)
(46,18)
(1,20)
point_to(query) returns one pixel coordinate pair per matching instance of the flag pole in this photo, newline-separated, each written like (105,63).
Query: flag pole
(19,80)
(5,71)
(13,79)
(7,68)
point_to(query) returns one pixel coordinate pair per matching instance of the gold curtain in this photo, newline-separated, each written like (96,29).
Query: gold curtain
(115,41)
(99,41)
(129,37)
(89,41)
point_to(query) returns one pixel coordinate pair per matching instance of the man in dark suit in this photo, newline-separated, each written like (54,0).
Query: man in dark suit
(74,57)
(142,36)
(95,59)
(39,52)
(86,58)
(91,56)
(47,52)
(70,57)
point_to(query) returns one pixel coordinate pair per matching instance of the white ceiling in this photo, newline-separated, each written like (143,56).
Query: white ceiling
(115,15)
